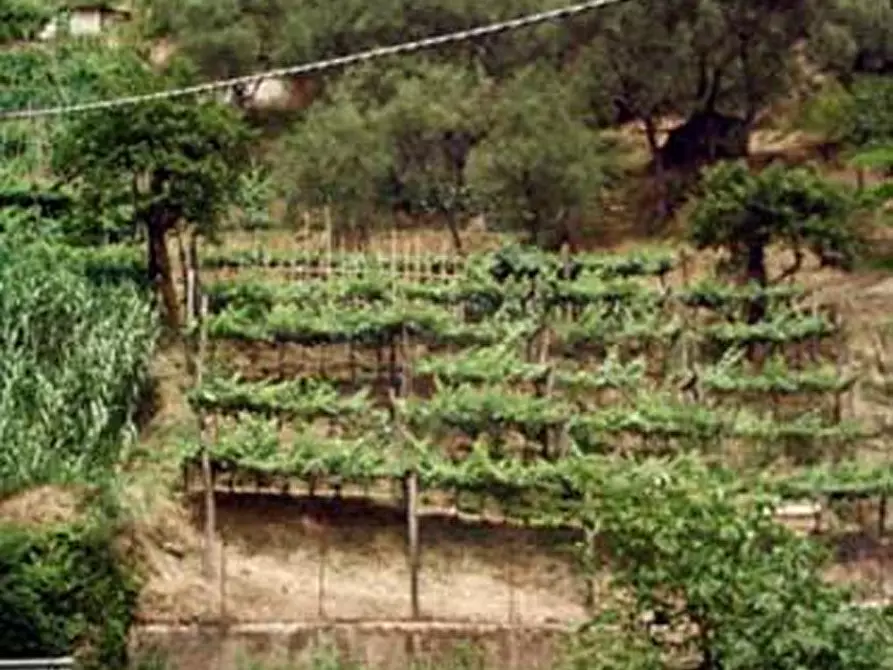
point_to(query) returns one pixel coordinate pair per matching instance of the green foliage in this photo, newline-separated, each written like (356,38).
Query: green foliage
(432,121)
(239,36)
(743,213)
(23,19)
(856,37)
(189,154)
(868,113)
(168,162)
(540,170)
(713,578)
(384,141)
(300,399)
(75,70)
(74,359)
(728,57)
(64,591)
(337,157)
(254,194)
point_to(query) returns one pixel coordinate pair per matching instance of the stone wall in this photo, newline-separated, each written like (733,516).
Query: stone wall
(378,645)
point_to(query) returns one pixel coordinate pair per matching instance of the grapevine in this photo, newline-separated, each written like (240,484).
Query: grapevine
(304,398)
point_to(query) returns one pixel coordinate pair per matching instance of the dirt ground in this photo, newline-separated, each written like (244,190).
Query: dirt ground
(296,559)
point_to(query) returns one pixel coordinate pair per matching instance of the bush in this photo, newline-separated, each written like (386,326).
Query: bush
(64,591)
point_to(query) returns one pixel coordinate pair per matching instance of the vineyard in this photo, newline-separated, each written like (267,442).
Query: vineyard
(517,380)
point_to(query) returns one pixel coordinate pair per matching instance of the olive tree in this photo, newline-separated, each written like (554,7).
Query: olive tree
(337,159)
(168,161)
(857,37)
(386,141)
(22,19)
(228,37)
(432,122)
(540,170)
(715,64)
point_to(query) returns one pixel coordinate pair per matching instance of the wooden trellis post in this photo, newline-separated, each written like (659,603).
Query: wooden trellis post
(412,527)
(411,495)
(207,469)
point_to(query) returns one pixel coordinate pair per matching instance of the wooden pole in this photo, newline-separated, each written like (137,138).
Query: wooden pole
(412,496)
(190,295)
(412,526)
(328,216)
(321,575)
(207,470)
(221,584)
(589,567)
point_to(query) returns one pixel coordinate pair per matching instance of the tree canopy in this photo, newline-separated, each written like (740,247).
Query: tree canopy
(167,162)
(743,213)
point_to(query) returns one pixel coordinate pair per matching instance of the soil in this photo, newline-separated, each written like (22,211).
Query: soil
(296,559)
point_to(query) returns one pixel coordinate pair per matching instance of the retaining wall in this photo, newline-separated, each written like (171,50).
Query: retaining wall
(378,645)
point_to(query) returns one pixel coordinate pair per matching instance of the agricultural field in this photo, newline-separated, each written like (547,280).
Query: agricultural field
(350,401)
(578,321)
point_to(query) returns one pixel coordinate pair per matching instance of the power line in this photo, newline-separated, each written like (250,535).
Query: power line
(315,66)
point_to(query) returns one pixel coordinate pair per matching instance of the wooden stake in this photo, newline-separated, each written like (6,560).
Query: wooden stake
(412,527)
(222,581)
(393,249)
(510,577)
(328,216)
(321,575)
(589,558)
(190,296)
(412,495)
(207,470)
(545,343)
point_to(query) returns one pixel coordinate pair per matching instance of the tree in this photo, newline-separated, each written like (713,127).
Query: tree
(432,123)
(857,37)
(232,37)
(540,170)
(169,161)
(715,64)
(224,38)
(337,158)
(710,578)
(743,213)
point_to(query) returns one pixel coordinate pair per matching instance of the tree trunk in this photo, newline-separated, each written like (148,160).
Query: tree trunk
(453,225)
(193,261)
(705,137)
(160,273)
(660,175)
(756,273)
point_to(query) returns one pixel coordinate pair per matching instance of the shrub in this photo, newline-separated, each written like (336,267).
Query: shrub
(64,591)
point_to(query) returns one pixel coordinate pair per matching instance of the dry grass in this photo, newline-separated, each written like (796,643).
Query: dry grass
(43,506)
